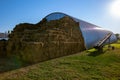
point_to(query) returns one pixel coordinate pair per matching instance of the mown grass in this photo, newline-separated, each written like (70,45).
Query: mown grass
(87,65)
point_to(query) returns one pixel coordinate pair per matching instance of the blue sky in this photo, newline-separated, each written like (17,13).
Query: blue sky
(13,12)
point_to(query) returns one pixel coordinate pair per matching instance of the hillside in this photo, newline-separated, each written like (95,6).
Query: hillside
(87,65)
(3,35)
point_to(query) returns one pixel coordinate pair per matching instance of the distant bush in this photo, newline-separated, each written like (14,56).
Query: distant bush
(118,36)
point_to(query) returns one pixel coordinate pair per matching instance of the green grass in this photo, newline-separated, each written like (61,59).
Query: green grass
(87,65)
(116,45)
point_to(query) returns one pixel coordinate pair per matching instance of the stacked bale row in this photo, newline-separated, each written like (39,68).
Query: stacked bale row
(45,40)
(3,44)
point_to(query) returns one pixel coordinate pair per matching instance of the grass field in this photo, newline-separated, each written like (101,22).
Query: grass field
(87,65)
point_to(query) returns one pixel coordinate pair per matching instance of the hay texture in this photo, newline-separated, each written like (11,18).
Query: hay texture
(45,40)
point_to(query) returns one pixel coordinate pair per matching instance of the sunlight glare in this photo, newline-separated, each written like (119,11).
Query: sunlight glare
(114,8)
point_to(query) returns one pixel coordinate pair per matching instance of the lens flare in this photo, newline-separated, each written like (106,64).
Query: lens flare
(114,8)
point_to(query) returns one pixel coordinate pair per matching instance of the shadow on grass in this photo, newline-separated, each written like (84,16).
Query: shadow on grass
(95,53)
(9,64)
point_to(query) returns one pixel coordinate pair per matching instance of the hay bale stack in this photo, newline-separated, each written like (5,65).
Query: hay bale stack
(3,44)
(46,40)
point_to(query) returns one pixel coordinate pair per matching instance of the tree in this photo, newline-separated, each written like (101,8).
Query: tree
(118,36)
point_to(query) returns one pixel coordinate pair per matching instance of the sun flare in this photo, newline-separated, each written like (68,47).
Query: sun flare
(114,8)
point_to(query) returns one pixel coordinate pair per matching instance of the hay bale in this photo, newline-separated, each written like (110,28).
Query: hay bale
(3,44)
(46,40)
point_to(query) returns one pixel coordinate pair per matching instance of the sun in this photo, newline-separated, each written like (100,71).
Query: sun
(114,8)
